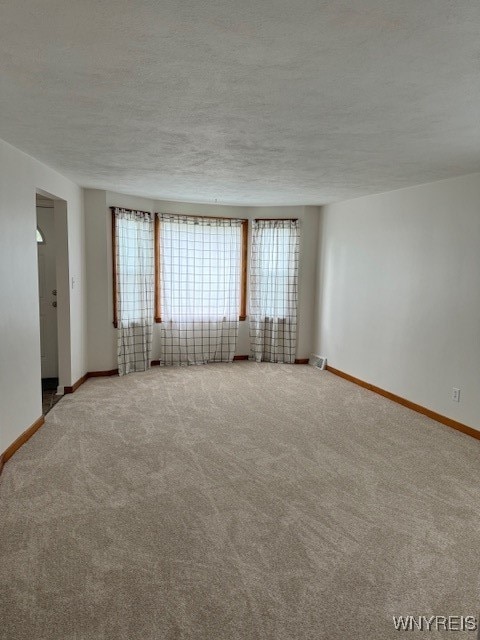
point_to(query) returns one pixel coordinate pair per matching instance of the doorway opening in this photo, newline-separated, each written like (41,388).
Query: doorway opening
(48,300)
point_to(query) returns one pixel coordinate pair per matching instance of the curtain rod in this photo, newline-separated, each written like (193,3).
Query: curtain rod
(132,210)
(276,219)
(192,215)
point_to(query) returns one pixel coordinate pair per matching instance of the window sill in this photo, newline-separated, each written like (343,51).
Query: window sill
(159,320)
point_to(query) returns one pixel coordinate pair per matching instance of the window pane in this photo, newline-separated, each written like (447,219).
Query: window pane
(200,270)
(273,277)
(134,237)
(273,271)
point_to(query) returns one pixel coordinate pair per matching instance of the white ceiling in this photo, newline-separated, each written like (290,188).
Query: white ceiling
(245,101)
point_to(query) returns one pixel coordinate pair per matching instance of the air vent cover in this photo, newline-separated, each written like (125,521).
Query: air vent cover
(320,362)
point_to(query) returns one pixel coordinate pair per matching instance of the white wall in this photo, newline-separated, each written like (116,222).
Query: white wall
(99,301)
(20,386)
(399,293)
(102,335)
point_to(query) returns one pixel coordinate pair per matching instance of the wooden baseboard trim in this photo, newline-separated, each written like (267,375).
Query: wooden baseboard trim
(15,446)
(102,374)
(449,422)
(154,363)
(26,435)
(76,384)
(114,372)
(297,361)
(90,374)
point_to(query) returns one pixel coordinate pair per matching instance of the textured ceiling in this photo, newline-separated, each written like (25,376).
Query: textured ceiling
(252,102)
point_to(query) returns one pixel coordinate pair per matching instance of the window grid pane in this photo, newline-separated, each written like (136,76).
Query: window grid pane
(274,290)
(200,288)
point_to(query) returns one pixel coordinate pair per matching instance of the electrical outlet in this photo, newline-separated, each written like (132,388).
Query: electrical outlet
(456,394)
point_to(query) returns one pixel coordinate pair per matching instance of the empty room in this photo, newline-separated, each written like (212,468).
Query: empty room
(240,320)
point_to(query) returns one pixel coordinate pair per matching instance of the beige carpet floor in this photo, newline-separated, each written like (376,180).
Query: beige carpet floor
(245,501)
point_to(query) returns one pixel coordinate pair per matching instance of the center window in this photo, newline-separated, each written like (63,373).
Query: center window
(200,266)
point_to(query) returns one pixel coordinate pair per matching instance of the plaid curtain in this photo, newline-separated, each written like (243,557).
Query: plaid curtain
(134,234)
(200,288)
(274,290)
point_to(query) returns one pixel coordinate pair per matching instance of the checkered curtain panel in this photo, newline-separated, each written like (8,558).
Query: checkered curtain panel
(274,290)
(200,288)
(134,234)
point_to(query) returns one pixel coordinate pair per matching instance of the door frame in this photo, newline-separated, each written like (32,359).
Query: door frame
(47,254)
(62,269)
